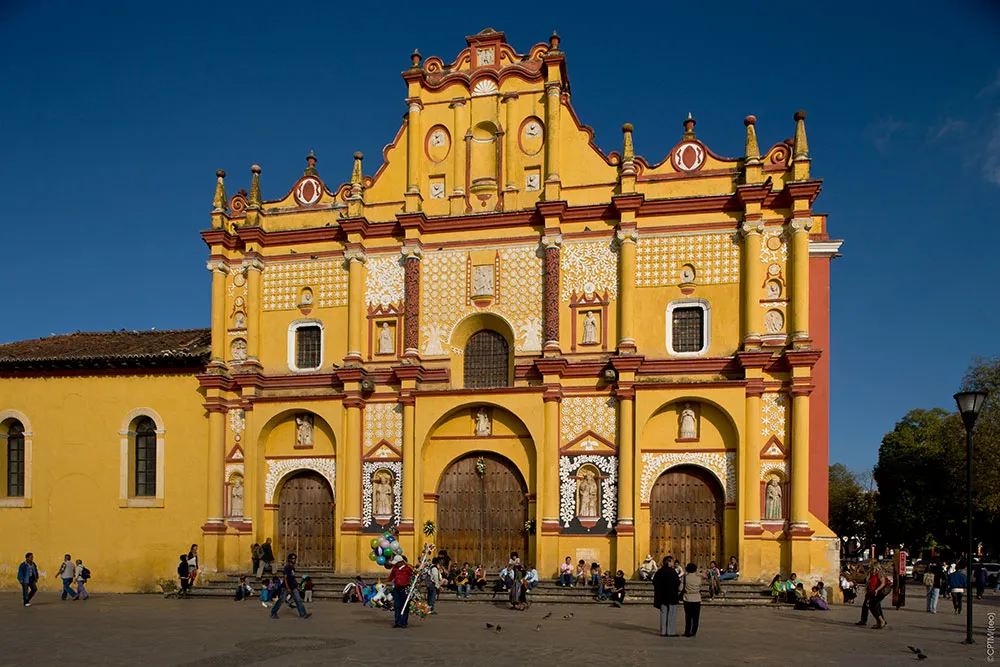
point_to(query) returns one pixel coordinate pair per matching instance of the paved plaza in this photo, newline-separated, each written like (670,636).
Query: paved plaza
(150,631)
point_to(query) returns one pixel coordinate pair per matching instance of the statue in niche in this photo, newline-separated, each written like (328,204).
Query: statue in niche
(382,493)
(307,297)
(589,328)
(482,280)
(773,289)
(236,496)
(239,349)
(773,321)
(304,430)
(483,426)
(532,330)
(689,423)
(240,321)
(385,342)
(772,499)
(587,499)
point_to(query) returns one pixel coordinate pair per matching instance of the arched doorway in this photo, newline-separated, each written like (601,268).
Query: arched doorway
(481,517)
(305,520)
(685,516)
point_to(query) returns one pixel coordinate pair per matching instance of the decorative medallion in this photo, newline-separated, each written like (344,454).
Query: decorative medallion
(532,136)
(308,191)
(437,144)
(485,56)
(689,156)
(485,87)
(533,182)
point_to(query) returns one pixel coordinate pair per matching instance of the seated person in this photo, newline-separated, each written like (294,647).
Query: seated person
(581,573)
(595,574)
(818,600)
(847,588)
(243,589)
(531,577)
(606,586)
(566,573)
(732,570)
(479,578)
(462,579)
(502,584)
(712,575)
(648,568)
(800,598)
(618,589)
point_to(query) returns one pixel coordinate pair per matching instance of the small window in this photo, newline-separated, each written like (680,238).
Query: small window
(308,342)
(486,360)
(688,329)
(145,458)
(15,460)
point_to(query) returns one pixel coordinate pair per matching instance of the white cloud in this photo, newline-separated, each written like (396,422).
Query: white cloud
(881,131)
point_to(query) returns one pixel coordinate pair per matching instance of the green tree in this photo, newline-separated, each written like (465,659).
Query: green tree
(852,505)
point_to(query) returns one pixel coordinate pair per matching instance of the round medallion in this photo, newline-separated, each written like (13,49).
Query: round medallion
(774,242)
(532,136)
(239,280)
(308,191)
(589,288)
(774,270)
(689,156)
(437,144)
(687,274)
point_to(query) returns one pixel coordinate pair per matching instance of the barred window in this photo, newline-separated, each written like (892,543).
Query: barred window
(145,458)
(308,347)
(15,460)
(688,329)
(486,360)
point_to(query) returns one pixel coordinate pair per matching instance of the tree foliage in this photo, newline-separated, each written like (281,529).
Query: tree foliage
(852,505)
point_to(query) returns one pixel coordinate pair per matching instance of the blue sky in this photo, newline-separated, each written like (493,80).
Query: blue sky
(115,118)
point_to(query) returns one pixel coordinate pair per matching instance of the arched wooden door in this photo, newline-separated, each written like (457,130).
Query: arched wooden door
(481,518)
(305,520)
(685,513)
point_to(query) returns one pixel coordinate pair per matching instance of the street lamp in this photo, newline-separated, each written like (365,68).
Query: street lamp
(969,405)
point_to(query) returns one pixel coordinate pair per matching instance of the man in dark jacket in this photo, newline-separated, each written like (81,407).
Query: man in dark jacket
(27,576)
(666,596)
(266,558)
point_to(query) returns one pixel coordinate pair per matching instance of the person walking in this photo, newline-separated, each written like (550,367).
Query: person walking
(934,590)
(291,587)
(692,600)
(266,558)
(67,572)
(255,554)
(980,577)
(958,584)
(433,583)
(81,574)
(193,565)
(882,588)
(400,577)
(27,576)
(666,591)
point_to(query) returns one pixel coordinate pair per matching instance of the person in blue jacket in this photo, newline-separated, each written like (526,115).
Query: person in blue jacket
(27,576)
(958,583)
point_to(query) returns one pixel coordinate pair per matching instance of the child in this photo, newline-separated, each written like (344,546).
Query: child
(777,589)
(265,592)
(182,574)
(595,574)
(307,588)
(243,590)
(581,573)
(81,574)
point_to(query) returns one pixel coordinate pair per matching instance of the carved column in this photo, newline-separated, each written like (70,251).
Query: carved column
(352,465)
(411,307)
(753,277)
(510,148)
(219,271)
(550,292)
(627,239)
(356,259)
(800,459)
(550,499)
(254,267)
(626,458)
(413,155)
(216,461)
(553,105)
(458,156)
(751,458)
(799,325)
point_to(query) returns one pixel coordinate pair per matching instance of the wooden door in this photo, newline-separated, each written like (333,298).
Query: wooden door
(685,512)
(305,520)
(481,519)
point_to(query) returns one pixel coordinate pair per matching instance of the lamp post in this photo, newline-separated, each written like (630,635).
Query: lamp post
(969,405)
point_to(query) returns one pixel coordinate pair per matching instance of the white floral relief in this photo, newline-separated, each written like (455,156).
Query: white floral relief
(368,470)
(444,300)
(722,465)
(283,282)
(769,467)
(579,414)
(773,252)
(383,421)
(588,267)
(568,467)
(237,420)
(278,469)
(715,258)
(232,469)
(773,409)
(384,284)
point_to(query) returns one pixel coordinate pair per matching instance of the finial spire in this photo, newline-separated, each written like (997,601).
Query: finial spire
(689,123)
(415,59)
(356,172)
(554,41)
(311,161)
(220,203)
(355,202)
(628,150)
(801,147)
(254,200)
(751,152)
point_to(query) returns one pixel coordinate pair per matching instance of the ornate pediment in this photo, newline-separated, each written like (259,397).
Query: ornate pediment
(589,442)
(384,451)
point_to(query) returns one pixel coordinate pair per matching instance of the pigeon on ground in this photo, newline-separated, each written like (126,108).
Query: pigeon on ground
(538,628)
(489,626)
(921,656)
(914,650)
(498,628)
(547,616)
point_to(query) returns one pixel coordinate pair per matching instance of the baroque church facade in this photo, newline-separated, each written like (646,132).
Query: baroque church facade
(504,335)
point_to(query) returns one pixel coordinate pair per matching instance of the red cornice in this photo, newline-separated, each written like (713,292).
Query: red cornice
(702,366)
(804,190)
(629,202)
(803,358)
(753,193)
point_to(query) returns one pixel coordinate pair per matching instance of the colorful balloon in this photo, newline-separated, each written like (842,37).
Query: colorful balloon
(372,555)
(374,542)
(380,560)
(387,552)
(384,544)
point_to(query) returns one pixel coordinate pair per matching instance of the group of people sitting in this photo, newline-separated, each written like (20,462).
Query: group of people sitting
(793,591)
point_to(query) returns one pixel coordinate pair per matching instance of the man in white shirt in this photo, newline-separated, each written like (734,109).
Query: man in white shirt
(566,573)
(531,578)
(67,572)
(433,584)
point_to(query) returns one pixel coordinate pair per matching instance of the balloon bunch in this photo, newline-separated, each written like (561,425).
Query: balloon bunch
(384,548)
(419,608)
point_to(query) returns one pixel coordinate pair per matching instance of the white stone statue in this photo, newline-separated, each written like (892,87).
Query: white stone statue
(774,321)
(589,328)
(482,280)
(689,423)
(382,493)
(437,138)
(532,330)
(772,499)
(533,129)
(483,426)
(236,496)
(307,297)
(533,182)
(773,289)
(385,343)
(435,336)
(304,430)
(587,501)
(239,349)
(240,321)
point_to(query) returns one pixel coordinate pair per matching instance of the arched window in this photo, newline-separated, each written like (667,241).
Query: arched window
(145,458)
(15,460)
(486,360)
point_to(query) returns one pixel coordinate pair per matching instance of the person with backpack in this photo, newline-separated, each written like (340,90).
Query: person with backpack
(81,574)
(67,573)
(183,576)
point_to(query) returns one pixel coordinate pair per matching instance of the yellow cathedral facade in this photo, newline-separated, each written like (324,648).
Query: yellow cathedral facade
(505,337)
